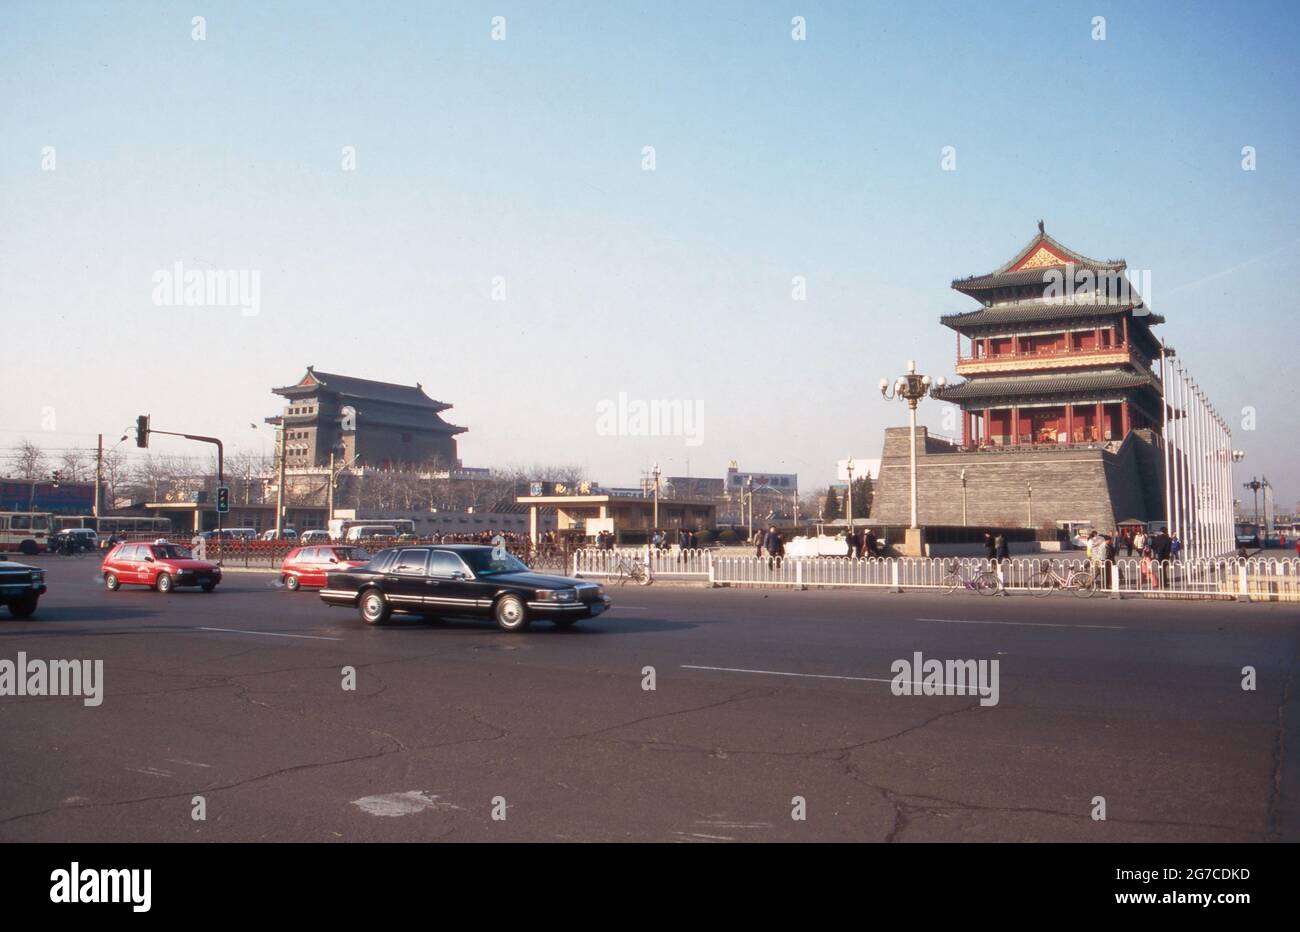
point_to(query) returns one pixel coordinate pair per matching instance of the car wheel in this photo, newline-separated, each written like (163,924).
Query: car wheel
(27,548)
(510,613)
(375,608)
(291,583)
(163,583)
(24,607)
(208,586)
(565,622)
(111,582)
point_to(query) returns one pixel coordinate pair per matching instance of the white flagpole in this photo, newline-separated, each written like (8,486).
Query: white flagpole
(1164,441)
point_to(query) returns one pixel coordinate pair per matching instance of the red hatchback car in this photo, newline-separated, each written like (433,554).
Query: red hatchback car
(307,566)
(161,566)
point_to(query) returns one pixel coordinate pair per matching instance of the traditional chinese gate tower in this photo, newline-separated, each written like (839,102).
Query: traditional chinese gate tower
(1060,353)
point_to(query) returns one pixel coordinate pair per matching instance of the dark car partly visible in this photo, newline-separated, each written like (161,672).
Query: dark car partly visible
(21,587)
(461,580)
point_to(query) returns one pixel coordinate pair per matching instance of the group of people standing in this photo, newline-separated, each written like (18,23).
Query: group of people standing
(864,543)
(1155,551)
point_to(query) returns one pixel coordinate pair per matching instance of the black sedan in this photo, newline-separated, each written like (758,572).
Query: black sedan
(21,587)
(461,579)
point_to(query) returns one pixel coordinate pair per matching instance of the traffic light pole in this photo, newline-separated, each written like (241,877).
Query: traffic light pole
(221,460)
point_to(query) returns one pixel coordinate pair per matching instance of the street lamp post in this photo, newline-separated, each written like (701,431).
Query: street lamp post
(655,520)
(1255,485)
(848,508)
(911,388)
(963,496)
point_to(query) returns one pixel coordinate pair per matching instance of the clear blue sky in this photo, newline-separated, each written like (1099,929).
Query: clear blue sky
(522,159)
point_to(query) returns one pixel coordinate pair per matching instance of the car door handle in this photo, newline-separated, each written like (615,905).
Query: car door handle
(431,582)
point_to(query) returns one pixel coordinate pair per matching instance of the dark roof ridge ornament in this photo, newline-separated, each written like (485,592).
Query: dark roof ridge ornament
(1041,231)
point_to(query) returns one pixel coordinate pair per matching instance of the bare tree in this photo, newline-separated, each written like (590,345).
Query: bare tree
(28,461)
(76,466)
(154,475)
(116,473)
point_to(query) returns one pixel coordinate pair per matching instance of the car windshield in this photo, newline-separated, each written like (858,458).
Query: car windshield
(487,563)
(171,552)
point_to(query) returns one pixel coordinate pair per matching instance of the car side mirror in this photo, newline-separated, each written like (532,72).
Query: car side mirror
(148,559)
(457,574)
(334,559)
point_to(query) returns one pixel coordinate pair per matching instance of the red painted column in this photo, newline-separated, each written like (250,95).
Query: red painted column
(1069,422)
(1101,417)
(986,429)
(1015,424)
(1123,419)
(965,428)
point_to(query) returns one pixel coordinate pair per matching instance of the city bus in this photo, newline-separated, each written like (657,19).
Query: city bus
(25,532)
(339,527)
(134,527)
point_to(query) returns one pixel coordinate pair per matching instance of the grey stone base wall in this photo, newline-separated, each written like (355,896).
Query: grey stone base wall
(1092,485)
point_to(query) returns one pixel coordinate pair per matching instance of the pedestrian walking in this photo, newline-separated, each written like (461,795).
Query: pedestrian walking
(775,548)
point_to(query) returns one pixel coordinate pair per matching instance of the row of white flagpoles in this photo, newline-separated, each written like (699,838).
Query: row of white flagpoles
(1198,461)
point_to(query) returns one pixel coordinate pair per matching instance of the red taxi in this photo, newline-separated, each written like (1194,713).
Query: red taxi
(160,565)
(307,566)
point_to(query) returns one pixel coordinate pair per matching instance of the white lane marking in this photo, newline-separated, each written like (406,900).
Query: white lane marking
(826,676)
(187,763)
(708,837)
(814,676)
(151,771)
(1022,624)
(400,804)
(270,634)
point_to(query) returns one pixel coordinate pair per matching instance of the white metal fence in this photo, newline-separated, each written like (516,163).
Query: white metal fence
(1253,579)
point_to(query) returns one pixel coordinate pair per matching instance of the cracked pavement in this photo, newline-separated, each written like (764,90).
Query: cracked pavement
(1147,712)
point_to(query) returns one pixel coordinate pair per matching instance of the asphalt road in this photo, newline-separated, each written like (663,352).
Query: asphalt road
(760,697)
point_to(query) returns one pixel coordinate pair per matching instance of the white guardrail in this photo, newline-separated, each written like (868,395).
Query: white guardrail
(1268,579)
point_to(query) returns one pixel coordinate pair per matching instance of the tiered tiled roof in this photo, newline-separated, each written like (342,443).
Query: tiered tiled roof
(1037,311)
(1064,382)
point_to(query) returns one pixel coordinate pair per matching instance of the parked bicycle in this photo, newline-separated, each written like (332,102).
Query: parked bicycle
(957,577)
(632,569)
(1081,582)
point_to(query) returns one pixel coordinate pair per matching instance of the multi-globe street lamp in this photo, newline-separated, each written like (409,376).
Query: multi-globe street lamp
(911,388)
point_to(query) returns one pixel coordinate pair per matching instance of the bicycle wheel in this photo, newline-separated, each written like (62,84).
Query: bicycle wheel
(1043,582)
(988,584)
(1083,583)
(647,576)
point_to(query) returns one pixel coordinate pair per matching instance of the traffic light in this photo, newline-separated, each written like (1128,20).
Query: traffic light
(142,431)
(223,499)
(56,476)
